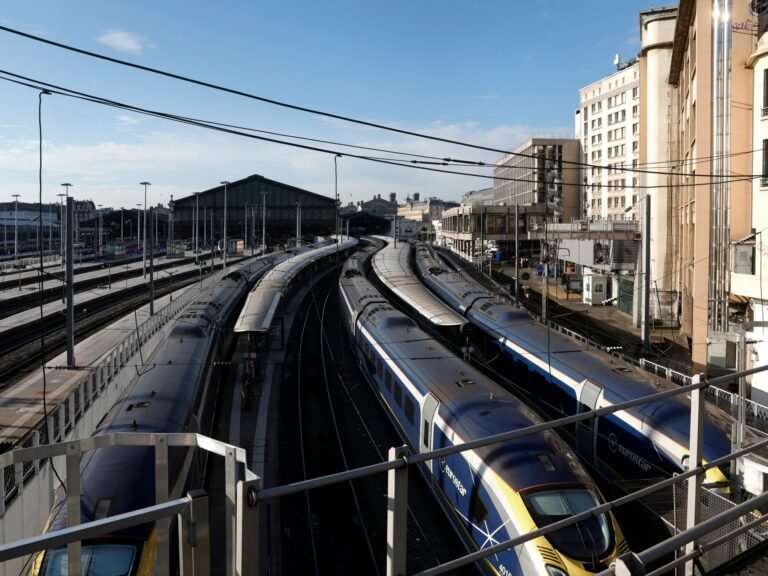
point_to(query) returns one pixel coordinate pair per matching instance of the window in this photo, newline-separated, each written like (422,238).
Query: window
(635,93)
(379,369)
(388,381)
(426,434)
(409,409)
(765,92)
(398,394)
(764,179)
(479,509)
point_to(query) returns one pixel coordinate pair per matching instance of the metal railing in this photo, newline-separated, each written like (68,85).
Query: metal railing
(192,507)
(244,495)
(99,386)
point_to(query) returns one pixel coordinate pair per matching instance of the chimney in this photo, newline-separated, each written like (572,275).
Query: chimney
(415,196)
(393,197)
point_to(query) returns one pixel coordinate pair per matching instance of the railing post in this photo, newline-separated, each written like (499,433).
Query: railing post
(693,509)
(195,536)
(161,496)
(247,551)
(73,504)
(230,508)
(397,514)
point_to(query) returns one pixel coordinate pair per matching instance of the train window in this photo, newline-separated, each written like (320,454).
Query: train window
(379,369)
(552,505)
(409,409)
(388,380)
(537,381)
(520,372)
(119,558)
(426,434)
(398,394)
(479,509)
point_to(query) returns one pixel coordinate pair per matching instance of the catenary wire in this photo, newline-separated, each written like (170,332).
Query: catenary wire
(390,161)
(305,109)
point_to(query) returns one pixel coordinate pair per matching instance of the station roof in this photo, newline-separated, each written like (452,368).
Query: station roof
(391,265)
(264,299)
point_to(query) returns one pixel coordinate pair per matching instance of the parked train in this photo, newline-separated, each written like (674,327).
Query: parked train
(651,440)
(176,393)
(494,493)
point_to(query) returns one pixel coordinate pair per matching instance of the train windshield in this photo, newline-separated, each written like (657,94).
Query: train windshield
(100,560)
(585,540)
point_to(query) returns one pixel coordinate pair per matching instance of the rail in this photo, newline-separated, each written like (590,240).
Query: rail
(244,496)
(83,408)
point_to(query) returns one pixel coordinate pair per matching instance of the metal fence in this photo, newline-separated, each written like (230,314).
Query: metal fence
(244,496)
(713,504)
(26,494)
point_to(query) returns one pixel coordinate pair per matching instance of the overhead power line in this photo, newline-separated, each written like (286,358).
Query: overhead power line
(309,110)
(238,131)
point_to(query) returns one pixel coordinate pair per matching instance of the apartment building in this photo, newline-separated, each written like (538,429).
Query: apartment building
(608,126)
(542,172)
(425,211)
(749,270)
(711,96)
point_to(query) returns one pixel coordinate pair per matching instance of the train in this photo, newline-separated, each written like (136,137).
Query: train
(493,493)
(564,378)
(176,392)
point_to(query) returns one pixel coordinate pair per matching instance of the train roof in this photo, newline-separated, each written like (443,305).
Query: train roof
(391,265)
(475,407)
(620,380)
(263,300)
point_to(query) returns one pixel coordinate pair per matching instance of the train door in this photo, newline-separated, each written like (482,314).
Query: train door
(428,411)
(586,430)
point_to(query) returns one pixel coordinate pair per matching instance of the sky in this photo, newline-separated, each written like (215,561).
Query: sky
(491,73)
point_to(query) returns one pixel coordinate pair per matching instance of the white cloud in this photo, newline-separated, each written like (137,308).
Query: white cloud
(127,120)
(123,41)
(186,161)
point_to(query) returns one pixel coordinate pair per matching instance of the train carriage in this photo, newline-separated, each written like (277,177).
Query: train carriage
(565,378)
(494,493)
(176,392)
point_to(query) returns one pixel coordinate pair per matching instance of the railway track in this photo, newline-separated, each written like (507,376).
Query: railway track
(344,427)
(21,347)
(29,296)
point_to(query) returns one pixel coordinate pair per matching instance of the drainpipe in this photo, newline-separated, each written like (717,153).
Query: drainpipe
(724,165)
(714,299)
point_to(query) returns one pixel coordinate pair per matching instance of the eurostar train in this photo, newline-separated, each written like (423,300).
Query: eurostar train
(490,494)
(564,377)
(176,393)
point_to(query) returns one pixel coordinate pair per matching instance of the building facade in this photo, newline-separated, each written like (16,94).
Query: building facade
(711,137)
(425,213)
(543,173)
(255,207)
(608,126)
(657,113)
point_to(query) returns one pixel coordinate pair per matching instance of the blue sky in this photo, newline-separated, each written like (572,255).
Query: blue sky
(492,73)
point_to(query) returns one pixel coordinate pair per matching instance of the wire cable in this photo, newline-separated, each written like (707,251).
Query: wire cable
(40,276)
(305,109)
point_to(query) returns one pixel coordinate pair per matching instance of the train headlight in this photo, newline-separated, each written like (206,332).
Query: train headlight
(555,571)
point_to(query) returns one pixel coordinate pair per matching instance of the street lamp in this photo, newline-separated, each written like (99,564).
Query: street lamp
(16,229)
(66,194)
(226,183)
(196,227)
(62,224)
(98,243)
(144,246)
(263,222)
(122,239)
(336,189)
(138,223)
(298,224)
